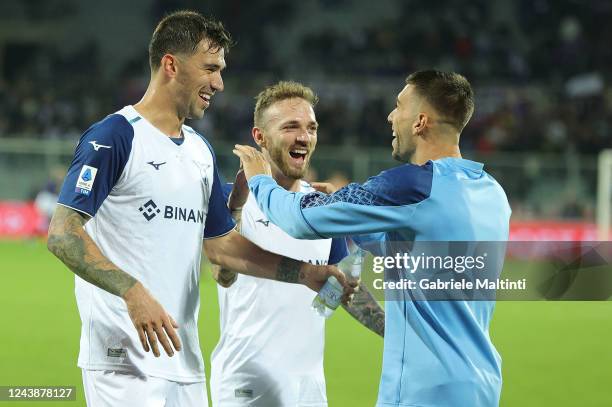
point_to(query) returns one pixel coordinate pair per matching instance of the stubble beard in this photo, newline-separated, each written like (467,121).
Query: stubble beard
(278,158)
(409,144)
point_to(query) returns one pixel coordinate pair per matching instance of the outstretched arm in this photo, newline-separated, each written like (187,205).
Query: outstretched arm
(386,202)
(365,309)
(235,252)
(69,243)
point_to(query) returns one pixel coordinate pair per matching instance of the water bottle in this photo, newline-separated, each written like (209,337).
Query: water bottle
(330,296)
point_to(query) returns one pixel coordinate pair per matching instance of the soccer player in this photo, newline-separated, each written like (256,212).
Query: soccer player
(436,353)
(140,200)
(270,352)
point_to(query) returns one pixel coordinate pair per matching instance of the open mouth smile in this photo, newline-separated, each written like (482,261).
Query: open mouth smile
(298,155)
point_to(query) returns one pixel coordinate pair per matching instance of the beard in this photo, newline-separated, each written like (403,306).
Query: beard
(196,112)
(406,155)
(403,158)
(279,158)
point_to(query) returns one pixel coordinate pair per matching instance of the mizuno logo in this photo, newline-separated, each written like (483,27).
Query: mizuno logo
(263,222)
(97,146)
(156,166)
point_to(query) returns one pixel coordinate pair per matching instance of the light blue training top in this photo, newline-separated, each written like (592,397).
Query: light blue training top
(436,353)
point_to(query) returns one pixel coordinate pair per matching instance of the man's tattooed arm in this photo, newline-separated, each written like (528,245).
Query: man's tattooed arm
(288,271)
(234,252)
(365,309)
(69,242)
(222,275)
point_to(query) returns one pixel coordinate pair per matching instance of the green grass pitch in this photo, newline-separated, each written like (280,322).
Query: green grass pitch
(554,353)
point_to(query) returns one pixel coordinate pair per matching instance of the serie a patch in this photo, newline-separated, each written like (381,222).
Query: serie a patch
(86,179)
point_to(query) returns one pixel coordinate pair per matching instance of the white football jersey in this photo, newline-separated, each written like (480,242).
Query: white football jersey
(270,352)
(152,201)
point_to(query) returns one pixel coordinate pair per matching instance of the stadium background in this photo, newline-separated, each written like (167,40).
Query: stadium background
(541,72)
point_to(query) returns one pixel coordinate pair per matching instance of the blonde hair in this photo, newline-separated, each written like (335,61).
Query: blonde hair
(278,92)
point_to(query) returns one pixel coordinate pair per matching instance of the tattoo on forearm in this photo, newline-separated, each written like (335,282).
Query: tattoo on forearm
(288,270)
(225,277)
(69,242)
(365,309)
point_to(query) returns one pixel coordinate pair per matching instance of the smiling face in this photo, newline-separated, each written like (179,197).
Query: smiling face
(289,135)
(403,120)
(198,78)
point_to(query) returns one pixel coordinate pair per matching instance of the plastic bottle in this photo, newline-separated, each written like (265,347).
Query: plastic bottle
(330,296)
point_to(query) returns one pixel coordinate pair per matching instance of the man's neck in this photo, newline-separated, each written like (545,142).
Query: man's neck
(427,151)
(290,184)
(157,107)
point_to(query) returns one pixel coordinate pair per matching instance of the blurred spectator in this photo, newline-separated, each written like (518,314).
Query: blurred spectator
(46,199)
(541,70)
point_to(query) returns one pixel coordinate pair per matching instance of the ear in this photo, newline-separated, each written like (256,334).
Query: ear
(420,124)
(258,137)
(169,65)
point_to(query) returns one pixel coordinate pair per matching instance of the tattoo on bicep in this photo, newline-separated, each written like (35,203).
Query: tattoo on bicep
(288,270)
(367,311)
(69,242)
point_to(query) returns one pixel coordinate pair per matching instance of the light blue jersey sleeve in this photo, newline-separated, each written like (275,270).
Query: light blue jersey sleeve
(385,202)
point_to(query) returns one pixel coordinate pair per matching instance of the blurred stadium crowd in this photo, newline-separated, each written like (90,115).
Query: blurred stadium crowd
(541,70)
(540,78)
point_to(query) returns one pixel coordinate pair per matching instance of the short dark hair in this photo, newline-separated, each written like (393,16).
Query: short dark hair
(180,33)
(447,92)
(278,92)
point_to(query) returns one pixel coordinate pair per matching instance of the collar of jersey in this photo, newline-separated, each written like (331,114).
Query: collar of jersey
(463,163)
(158,132)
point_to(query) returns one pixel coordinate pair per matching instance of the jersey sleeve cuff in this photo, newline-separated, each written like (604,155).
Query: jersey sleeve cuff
(76,209)
(220,234)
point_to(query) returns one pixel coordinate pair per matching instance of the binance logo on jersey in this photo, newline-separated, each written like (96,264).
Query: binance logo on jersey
(184,214)
(150,210)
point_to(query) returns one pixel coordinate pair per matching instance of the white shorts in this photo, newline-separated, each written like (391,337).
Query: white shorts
(107,388)
(249,389)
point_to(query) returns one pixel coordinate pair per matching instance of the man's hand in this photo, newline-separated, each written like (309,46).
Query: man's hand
(240,192)
(253,162)
(69,242)
(151,321)
(325,187)
(314,277)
